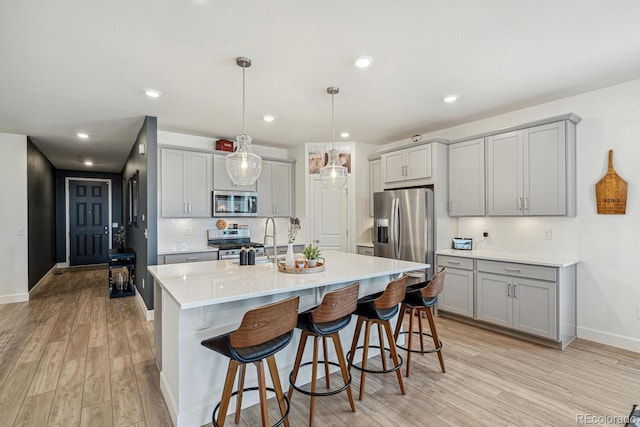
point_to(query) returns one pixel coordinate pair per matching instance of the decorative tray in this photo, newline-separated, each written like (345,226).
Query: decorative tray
(318,268)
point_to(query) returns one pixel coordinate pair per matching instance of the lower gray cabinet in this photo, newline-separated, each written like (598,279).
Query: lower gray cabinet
(457,294)
(189,257)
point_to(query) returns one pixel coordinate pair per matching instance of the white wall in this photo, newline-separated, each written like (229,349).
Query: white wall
(607,281)
(13,217)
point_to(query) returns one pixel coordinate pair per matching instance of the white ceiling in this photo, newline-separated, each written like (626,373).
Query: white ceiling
(76,65)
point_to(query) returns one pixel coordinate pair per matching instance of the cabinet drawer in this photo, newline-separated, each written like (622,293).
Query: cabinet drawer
(455,262)
(518,270)
(192,257)
(365,250)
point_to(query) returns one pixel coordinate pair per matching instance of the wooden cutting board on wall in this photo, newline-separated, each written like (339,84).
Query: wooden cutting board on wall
(611,192)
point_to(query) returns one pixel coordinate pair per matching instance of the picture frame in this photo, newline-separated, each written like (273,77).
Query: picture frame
(133,191)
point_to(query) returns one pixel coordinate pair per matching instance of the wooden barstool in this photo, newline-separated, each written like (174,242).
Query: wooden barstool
(379,309)
(420,299)
(263,332)
(325,321)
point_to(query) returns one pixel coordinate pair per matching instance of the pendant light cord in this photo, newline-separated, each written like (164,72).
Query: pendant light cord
(333,133)
(243,99)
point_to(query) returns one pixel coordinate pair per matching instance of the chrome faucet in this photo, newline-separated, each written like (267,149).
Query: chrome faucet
(273,236)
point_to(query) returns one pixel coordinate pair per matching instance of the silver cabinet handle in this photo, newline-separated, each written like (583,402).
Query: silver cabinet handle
(195,258)
(189,207)
(450,205)
(509,290)
(526,203)
(519,203)
(454,262)
(515,270)
(184,207)
(515,294)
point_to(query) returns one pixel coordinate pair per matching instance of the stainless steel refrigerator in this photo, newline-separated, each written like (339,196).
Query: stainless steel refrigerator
(404,226)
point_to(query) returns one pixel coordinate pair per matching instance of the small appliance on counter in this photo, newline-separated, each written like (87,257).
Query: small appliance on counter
(462,243)
(229,241)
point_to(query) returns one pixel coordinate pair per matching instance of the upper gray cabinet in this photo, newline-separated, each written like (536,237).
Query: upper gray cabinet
(466,178)
(532,171)
(407,167)
(375,181)
(275,189)
(185,183)
(221,180)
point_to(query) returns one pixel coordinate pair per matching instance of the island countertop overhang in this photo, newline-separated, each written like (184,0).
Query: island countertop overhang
(207,283)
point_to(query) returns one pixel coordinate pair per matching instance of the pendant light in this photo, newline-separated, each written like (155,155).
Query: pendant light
(243,166)
(332,175)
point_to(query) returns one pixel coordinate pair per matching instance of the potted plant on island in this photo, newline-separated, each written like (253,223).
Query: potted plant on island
(311,252)
(120,239)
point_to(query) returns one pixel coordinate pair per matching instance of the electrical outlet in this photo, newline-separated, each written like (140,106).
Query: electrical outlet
(193,230)
(547,234)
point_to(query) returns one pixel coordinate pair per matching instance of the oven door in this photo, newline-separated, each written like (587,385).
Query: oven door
(234,203)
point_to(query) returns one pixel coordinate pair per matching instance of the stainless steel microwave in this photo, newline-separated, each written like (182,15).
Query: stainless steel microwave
(234,203)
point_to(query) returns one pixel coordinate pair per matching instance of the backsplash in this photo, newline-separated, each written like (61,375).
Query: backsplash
(188,233)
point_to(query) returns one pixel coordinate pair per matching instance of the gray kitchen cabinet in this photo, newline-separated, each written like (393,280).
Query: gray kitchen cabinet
(531,171)
(275,189)
(457,294)
(282,250)
(188,257)
(466,178)
(185,183)
(364,250)
(523,297)
(408,166)
(375,181)
(221,180)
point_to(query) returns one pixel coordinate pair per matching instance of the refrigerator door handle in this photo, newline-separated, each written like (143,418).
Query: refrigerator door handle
(394,227)
(398,228)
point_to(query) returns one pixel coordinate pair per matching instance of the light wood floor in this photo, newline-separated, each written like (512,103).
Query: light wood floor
(72,356)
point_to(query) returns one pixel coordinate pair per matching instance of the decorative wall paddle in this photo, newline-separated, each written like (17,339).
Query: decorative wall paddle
(611,192)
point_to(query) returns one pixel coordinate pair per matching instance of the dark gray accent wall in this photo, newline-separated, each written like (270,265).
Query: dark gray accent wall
(41,205)
(143,236)
(61,209)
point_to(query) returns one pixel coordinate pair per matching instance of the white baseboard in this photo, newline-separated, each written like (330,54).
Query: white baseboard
(42,279)
(608,338)
(148,314)
(8,299)
(62,264)
(169,400)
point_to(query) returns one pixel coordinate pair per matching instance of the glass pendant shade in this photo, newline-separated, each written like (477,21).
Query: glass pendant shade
(243,165)
(333,176)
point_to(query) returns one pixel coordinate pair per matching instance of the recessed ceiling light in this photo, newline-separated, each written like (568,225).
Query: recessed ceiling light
(450,98)
(363,61)
(82,135)
(345,134)
(88,163)
(268,118)
(152,93)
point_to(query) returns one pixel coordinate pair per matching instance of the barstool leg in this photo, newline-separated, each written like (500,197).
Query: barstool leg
(419,314)
(365,352)
(243,371)
(343,368)
(394,354)
(412,314)
(354,343)
(227,391)
(296,365)
(275,379)
(314,375)
(262,390)
(403,308)
(436,340)
(382,355)
(326,361)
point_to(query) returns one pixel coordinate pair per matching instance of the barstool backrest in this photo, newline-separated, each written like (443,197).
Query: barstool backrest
(337,304)
(393,294)
(266,323)
(435,285)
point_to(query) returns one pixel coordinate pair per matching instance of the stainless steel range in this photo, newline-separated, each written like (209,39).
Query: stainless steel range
(230,241)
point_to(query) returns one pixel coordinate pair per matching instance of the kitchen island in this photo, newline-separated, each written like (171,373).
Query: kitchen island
(195,301)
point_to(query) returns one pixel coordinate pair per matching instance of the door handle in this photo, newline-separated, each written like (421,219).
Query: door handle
(526,203)
(513,270)
(509,290)
(519,203)
(450,206)
(515,287)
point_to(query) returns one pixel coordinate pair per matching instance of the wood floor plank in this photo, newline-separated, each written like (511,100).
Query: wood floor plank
(46,378)
(97,389)
(98,362)
(155,409)
(99,414)
(35,410)
(14,390)
(140,349)
(78,342)
(125,397)
(98,329)
(66,408)
(36,343)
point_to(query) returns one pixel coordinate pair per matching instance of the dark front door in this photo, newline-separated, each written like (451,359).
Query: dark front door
(88,226)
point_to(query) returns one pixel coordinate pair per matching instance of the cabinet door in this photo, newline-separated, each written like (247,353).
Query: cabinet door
(282,189)
(265,190)
(328,216)
(418,161)
(544,170)
(393,166)
(221,180)
(457,293)
(534,307)
(466,178)
(173,183)
(504,174)
(375,181)
(494,299)
(199,184)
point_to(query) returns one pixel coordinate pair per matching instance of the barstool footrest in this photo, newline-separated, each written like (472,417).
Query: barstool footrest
(235,393)
(374,371)
(432,350)
(317,393)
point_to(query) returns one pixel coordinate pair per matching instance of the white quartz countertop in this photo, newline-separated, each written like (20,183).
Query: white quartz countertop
(183,248)
(205,283)
(549,261)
